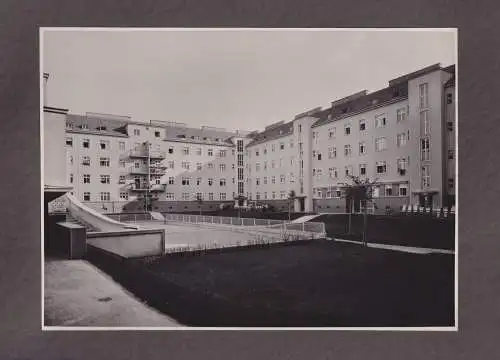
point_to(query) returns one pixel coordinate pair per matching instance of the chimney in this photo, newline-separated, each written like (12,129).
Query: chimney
(45,81)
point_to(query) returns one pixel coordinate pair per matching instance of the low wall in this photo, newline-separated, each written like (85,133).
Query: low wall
(338,205)
(130,244)
(184,206)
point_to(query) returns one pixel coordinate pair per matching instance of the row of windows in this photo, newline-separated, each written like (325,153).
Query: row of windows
(281,147)
(380,169)
(386,190)
(102,145)
(104,196)
(186,150)
(272,165)
(198,196)
(283,194)
(272,179)
(185,180)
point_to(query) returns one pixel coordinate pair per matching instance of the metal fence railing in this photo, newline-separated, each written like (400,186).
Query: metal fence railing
(131,217)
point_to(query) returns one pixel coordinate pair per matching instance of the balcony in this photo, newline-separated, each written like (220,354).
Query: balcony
(144,188)
(143,153)
(143,170)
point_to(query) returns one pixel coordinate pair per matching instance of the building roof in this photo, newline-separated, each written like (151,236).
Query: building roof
(362,103)
(95,125)
(202,135)
(271,132)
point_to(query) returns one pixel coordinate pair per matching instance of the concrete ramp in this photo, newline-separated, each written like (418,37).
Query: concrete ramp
(303,219)
(156,215)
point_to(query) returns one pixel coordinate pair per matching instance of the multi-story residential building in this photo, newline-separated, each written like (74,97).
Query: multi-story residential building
(402,137)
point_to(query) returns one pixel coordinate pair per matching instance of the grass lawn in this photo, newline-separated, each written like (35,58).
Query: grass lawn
(319,283)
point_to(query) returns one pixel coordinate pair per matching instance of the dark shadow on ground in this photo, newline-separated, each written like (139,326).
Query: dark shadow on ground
(317,283)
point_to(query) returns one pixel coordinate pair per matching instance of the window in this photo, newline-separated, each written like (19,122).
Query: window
(291,145)
(347,150)
(273,164)
(86,196)
(240,187)
(210,196)
(333,173)
(137,132)
(381,167)
(185,196)
(380,144)
(198,181)
(265,180)
(256,152)
(362,125)
(123,196)
(265,150)
(282,179)
(347,129)
(300,130)
(274,192)
(157,133)
(185,150)
(402,166)
(105,196)
(171,180)
(451,183)
(71,178)
(388,190)
(222,182)
(273,147)
(257,166)
(86,178)
(331,133)
(170,149)
(449,126)
(121,145)
(169,196)
(425,154)
(122,163)
(380,121)
(273,179)
(105,179)
(292,178)
(185,165)
(425,125)
(348,170)
(210,165)
(362,148)
(338,193)
(185,180)
(86,160)
(401,139)
(426,176)
(170,164)
(222,196)
(71,160)
(121,179)
(210,152)
(240,159)
(451,154)
(403,190)
(332,152)
(362,169)
(104,144)
(104,161)
(319,173)
(401,115)
(257,181)
(210,181)
(239,145)
(282,145)
(423,91)
(292,160)
(222,153)
(265,195)
(84,126)
(240,174)
(319,156)
(265,165)
(69,142)
(449,98)
(86,143)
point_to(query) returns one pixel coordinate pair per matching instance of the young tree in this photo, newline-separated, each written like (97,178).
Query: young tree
(359,191)
(240,199)
(291,198)
(199,200)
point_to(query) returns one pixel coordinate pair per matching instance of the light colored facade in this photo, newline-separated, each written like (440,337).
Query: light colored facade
(402,136)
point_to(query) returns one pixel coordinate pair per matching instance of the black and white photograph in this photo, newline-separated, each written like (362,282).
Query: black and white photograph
(249,178)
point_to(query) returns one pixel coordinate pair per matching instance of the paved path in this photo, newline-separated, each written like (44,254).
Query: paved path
(78,294)
(408,249)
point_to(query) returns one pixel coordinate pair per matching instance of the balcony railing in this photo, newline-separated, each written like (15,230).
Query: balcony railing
(143,170)
(143,153)
(151,188)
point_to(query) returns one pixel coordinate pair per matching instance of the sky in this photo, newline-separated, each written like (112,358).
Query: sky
(231,79)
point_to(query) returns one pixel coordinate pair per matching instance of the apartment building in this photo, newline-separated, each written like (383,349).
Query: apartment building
(402,137)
